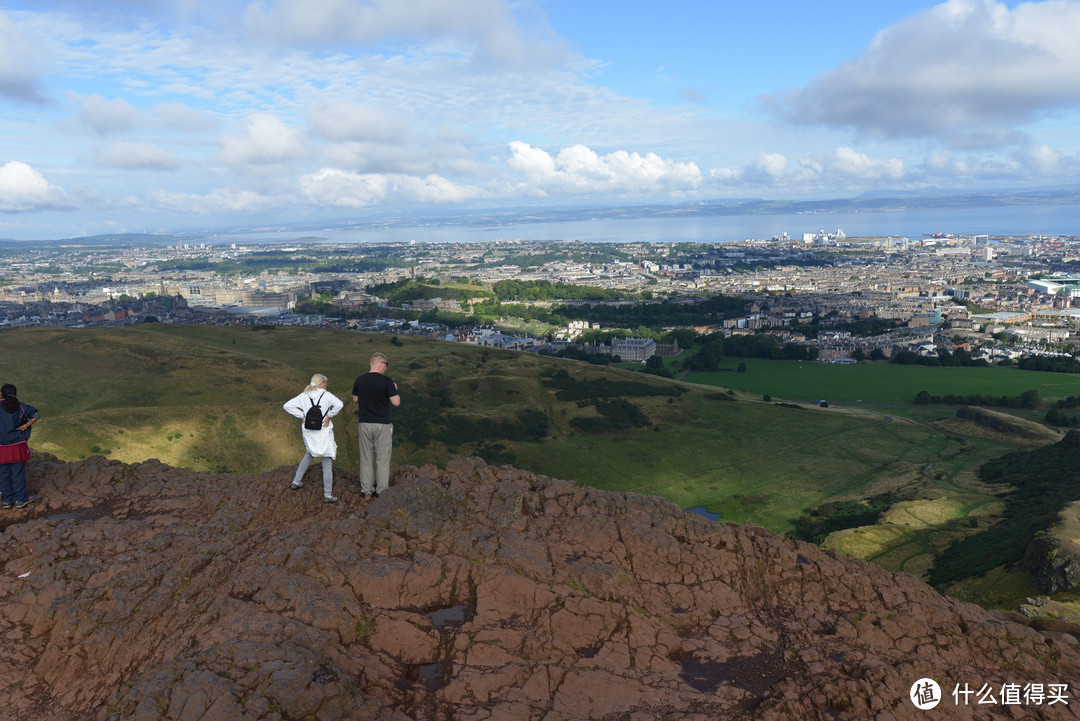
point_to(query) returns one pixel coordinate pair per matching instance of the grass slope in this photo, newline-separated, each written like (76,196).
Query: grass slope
(210,398)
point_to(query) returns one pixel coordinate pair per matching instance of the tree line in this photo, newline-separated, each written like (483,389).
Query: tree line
(1027,399)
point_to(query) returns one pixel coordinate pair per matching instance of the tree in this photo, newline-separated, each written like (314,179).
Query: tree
(708,357)
(1029,399)
(685,337)
(922,397)
(741,368)
(655,366)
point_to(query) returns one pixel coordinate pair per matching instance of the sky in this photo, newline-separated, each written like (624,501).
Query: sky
(174,115)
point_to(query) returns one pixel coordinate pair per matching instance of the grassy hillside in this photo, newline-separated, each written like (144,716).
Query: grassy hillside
(882,382)
(210,398)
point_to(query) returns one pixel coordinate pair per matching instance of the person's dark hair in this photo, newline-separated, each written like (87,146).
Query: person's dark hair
(10,402)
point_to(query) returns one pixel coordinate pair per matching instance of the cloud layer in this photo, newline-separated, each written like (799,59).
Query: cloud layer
(159,111)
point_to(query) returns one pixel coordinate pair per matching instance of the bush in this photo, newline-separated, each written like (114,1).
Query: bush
(616,414)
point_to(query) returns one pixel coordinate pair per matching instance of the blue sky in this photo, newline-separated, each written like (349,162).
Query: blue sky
(150,115)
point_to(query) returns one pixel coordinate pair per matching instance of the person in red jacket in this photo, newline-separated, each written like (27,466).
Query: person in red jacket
(15,421)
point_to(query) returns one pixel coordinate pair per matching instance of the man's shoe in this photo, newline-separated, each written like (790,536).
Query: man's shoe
(330,499)
(367,495)
(296,484)
(27,502)
(375,494)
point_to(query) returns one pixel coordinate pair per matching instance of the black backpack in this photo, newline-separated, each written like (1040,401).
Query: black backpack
(313,419)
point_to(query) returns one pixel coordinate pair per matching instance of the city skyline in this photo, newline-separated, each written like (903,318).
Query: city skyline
(148,115)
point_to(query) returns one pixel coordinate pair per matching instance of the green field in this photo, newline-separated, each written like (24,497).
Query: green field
(881,382)
(209,398)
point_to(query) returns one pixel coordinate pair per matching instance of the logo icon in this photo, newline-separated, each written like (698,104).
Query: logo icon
(925,694)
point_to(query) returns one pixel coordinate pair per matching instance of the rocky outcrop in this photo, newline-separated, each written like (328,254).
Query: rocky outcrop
(145,592)
(1007,428)
(1053,557)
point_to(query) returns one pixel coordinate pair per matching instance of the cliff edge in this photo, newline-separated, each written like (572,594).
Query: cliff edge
(146,592)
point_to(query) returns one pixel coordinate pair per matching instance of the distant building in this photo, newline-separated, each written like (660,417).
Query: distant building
(668,349)
(633,349)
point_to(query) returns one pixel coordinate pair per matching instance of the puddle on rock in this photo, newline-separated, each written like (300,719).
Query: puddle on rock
(430,676)
(449,616)
(703,511)
(754,674)
(93,513)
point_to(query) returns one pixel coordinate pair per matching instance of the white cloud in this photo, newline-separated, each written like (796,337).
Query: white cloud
(24,189)
(970,72)
(843,167)
(142,156)
(849,164)
(579,170)
(410,159)
(1029,162)
(1043,161)
(266,140)
(334,187)
(724,175)
(106,117)
(765,169)
(19,59)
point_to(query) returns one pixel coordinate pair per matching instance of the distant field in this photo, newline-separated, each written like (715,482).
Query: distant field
(881,382)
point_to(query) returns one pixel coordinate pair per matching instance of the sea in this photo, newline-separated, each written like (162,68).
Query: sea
(1017,221)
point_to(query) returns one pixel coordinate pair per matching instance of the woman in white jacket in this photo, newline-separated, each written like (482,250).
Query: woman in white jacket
(317,443)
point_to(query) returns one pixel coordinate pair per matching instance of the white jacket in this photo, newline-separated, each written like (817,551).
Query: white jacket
(320,443)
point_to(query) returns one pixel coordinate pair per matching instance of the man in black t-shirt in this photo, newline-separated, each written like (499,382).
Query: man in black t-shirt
(374,393)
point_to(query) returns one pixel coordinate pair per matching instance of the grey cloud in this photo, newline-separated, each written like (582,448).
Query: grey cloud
(412,159)
(488,26)
(969,72)
(18,62)
(181,118)
(138,156)
(107,117)
(342,121)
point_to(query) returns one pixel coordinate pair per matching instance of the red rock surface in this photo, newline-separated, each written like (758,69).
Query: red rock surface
(470,593)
